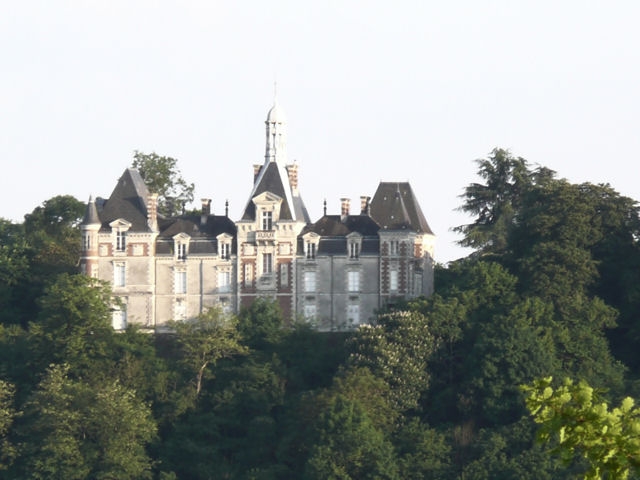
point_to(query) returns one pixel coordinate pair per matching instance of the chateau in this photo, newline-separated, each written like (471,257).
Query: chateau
(334,273)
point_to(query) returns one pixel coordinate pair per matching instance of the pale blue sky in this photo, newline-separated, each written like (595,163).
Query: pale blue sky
(373,90)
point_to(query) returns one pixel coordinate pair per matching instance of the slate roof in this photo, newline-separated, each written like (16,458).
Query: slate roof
(129,201)
(395,207)
(333,234)
(273,178)
(91,214)
(203,237)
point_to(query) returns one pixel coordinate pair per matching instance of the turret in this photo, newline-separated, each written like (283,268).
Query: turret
(89,227)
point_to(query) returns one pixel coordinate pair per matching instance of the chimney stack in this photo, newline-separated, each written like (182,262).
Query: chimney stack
(152,212)
(206,211)
(364,205)
(344,208)
(292,171)
(256,171)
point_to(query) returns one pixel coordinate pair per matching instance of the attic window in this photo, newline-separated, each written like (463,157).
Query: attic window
(354,250)
(181,252)
(310,250)
(121,241)
(225,249)
(267,220)
(181,246)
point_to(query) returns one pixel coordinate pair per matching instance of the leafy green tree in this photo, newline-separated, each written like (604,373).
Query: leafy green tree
(423,452)
(349,446)
(162,176)
(261,324)
(78,430)
(206,339)
(74,326)
(396,348)
(7,416)
(576,422)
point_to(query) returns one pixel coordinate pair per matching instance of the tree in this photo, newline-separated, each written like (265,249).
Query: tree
(162,176)
(74,326)
(7,416)
(576,422)
(396,348)
(76,430)
(349,446)
(206,339)
(261,324)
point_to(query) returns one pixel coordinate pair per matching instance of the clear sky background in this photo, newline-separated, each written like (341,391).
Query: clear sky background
(373,90)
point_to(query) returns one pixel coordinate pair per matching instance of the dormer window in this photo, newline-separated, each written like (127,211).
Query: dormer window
(354,245)
(310,250)
(121,241)
(267,220)
(224,246)
(119,230)
(181,246)
(354,250)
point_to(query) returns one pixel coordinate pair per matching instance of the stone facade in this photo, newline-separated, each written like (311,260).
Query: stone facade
(334,273)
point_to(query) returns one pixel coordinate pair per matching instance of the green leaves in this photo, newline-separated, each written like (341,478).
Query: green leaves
(162,176)
(577,423)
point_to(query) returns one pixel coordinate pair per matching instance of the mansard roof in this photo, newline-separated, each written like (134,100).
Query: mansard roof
(395,207)
(128,201)
(203,237)
(273,178)
(334,233)
(333,226)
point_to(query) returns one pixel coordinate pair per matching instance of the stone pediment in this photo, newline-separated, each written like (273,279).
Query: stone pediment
(120,224)
(267,198)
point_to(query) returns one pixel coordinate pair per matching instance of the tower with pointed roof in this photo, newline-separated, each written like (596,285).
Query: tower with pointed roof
(273,217)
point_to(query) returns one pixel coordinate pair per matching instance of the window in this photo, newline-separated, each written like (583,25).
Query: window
(180,310)
(309,312)
(354,250)
(394,247)
(393,280)
(284,275)
(248,274)
(354,281)
(119,319)
(181,282)
(225,251)
(267,220)
(182,251)
(86,241)
(353,314)
(267,263)
(121,241)
(119,275)
(310,250)
(309,282)
(224,282)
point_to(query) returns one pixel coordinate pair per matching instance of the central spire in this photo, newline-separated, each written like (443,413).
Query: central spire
(276,150)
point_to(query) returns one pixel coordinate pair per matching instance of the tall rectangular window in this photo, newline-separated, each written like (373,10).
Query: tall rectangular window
(87,241)
(394,247)
(311,250)
(353,314)
(354,250)
(224,282)
(181,282)
(284,275)
(309,312)
(267,263)
(309,282)
(119,319)
(354,281)
(248,274)
(393,280)
(267,220)
(225,251)
(119,275)
(121,241)
(182,251)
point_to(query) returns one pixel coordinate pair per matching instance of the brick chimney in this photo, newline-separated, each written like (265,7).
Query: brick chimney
(152,212)
(364,205)
(206,211)
(344,208)
(292,171)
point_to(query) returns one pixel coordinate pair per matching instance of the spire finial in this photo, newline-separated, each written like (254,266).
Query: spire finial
(226,208)
(325,207)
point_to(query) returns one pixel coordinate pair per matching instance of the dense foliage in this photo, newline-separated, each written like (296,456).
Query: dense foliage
(431,390)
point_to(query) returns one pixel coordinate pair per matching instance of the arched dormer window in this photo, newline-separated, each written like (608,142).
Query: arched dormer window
(119,229)
(224,246)
(181,246)
(354,246)
(311,241)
